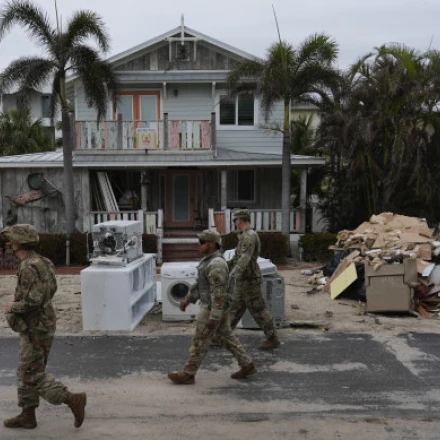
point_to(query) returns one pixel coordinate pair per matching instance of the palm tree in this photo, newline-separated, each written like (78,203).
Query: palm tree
(287,75)
(20,135)
(67,53)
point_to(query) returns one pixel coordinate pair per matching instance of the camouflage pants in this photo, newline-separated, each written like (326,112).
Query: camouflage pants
(249,296)
(202,340)
(32,380)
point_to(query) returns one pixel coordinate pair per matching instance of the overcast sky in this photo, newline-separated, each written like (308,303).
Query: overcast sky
(249,25)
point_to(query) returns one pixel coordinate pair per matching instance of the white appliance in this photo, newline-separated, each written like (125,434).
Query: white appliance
(116,243)
(176,280)
(117,298)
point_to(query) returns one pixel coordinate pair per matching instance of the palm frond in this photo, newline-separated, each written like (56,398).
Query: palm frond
(86,24)
(27,72)
(28,15)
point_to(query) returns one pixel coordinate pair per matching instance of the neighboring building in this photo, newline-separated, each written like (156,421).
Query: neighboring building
(40,104)
(173,142)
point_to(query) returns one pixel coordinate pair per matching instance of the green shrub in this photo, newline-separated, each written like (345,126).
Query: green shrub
(273,245)
(315,246)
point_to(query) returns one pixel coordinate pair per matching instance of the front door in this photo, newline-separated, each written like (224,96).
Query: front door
(182,198)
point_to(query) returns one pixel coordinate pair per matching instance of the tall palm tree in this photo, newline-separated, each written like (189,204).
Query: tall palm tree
(67,53)
(288,74)
(20,135)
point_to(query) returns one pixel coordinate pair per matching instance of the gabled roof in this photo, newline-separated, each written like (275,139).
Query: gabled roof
(174,32)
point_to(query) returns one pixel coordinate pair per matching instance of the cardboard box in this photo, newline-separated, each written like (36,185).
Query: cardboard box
(387,290)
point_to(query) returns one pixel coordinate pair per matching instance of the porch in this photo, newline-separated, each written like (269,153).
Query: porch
(264,220)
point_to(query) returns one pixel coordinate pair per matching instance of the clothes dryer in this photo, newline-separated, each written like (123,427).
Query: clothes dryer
(176,280)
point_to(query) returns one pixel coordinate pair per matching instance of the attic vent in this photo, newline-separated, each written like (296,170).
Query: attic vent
(182,51)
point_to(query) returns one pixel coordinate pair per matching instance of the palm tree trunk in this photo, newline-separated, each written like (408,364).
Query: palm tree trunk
(69,201)
(286,177)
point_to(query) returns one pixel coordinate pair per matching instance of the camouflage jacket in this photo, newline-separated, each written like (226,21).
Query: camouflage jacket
(244,266)
(211,286)
(36,286)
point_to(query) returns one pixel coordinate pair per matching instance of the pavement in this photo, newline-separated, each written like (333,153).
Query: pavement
(314,386)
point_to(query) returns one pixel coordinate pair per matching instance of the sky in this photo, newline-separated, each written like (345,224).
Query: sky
(249,25)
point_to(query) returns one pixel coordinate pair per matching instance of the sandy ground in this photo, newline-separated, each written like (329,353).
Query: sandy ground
(147,406)
(304,312)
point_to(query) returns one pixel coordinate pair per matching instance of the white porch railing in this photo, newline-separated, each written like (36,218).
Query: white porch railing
(267,220)
(161,134)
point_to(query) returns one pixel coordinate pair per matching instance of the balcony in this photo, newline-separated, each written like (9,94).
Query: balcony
(162,134)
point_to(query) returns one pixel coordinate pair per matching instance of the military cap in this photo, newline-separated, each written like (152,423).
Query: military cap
(208,235)
(244,214)
(23,233)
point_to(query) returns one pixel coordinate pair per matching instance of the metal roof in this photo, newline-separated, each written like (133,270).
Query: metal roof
(156,159)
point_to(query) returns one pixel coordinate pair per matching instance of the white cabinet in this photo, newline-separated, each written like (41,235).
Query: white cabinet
(117,298)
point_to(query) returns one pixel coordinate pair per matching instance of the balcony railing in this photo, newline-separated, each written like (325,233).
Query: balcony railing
(161,134)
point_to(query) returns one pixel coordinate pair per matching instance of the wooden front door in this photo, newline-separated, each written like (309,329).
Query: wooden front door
(182,197)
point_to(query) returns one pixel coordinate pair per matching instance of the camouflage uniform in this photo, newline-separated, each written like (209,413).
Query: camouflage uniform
(32,315)
(245,274)
(212,290)
(33,304)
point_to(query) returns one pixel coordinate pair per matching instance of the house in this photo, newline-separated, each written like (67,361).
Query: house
(173,145)
(40,102)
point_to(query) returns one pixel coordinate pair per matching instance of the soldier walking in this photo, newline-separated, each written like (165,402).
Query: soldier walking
(212,289)
(245,277)
(32,316)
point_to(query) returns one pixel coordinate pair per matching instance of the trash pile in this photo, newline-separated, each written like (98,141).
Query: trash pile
(392,262)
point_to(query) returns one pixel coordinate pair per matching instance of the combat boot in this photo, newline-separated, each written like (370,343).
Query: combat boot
(25,420)
(244,371)
(77,403)
(182,378)
(269,343)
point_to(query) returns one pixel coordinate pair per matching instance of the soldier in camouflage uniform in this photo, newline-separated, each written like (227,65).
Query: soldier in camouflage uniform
(212,289)
(32,315)
(245,277)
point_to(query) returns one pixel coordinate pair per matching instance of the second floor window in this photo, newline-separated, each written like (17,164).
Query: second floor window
(46,102)
(238,110)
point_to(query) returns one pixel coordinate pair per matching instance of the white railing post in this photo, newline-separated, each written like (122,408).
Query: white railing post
(227,214)
(258,218)
(140,217)
(211,220)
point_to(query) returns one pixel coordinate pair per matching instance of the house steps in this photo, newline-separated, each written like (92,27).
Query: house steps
(180,246)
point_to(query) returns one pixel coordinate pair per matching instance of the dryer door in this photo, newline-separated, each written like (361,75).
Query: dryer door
(177,291)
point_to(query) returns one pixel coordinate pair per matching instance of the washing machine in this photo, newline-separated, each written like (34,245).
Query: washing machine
(176,280)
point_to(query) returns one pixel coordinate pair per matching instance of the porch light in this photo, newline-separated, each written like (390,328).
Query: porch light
(175,92)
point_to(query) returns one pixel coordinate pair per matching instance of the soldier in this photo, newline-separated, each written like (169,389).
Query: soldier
(212,289)
(32,315)
(245,276)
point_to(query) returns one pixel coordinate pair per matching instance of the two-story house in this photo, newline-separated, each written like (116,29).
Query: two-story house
(173,144)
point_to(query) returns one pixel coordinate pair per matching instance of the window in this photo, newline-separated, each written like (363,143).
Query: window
(238,110)
(46,102)
(245,185)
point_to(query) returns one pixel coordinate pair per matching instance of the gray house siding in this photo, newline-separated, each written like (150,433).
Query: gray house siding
(193,102)
(46,214)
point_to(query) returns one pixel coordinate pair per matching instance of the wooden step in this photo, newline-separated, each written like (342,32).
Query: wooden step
(180,251)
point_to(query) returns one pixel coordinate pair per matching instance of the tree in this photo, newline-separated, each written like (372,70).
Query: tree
(287,75)
(20,135)
(381,135)
(67,53)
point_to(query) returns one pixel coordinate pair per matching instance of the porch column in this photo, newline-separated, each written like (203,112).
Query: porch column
(223,189)
(145,182)
(303,200)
